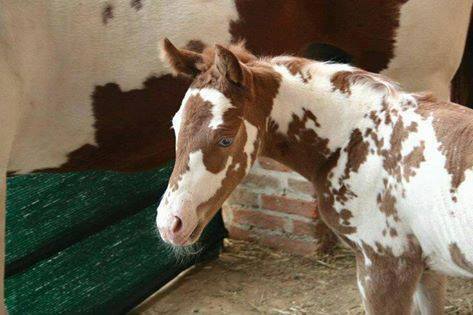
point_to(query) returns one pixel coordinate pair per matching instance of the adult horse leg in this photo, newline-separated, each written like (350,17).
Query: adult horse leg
(430,293)
(387,283)
(10,102)
(2,239)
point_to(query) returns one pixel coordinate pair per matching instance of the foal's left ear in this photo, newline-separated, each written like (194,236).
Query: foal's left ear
(181,61)
(228,65)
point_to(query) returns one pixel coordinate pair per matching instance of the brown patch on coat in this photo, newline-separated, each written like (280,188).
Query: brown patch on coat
(392,279)
(459,258)
(393,162)
(387,203)
(294,65)
(291,26)
(392,157)
(107,13)
(341,83)
(412,161)
(343,80)
(195,117)
(357,152)
(132,128)
(453,125)
(345,216)
(136,4)
(299,138)
(327,196)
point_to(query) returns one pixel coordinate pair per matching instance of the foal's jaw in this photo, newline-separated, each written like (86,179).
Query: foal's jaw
(188,203)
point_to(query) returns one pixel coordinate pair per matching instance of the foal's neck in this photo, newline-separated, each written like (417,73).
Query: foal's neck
(316,110)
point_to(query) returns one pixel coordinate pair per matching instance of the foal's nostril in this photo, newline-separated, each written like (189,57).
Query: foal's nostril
(176,225)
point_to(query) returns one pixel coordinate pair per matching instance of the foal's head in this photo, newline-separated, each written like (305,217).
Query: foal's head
(218,132)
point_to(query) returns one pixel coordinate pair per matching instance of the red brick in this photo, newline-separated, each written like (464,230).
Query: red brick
(238,233)
(302,186)
(323,243)
(272,165)
(242,196)
(298,247)
(261,181)
(288,205)
(304,228)
(258,219)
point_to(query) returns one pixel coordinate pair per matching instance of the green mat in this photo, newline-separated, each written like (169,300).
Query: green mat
(86,243)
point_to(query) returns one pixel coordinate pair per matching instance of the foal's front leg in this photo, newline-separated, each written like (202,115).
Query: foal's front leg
(387,283)
(430,293)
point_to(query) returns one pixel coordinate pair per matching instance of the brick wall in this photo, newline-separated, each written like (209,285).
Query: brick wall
(275,207)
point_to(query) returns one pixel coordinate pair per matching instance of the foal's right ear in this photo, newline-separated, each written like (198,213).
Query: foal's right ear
(228,65)
(181,61)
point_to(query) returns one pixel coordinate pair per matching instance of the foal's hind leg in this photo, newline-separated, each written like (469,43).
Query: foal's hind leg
(430,293)
(387,283)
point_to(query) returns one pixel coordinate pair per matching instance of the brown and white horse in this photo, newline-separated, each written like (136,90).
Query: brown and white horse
(82,87)
(393,171)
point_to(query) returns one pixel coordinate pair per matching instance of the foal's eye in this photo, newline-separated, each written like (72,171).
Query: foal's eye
(225,142)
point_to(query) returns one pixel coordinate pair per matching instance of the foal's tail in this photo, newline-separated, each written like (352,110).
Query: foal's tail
(462,83)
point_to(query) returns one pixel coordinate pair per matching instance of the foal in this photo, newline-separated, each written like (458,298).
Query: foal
(392,170)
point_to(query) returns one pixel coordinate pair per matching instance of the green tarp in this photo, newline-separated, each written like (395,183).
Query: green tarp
(86,243)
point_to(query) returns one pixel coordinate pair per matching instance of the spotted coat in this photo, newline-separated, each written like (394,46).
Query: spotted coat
(392,170)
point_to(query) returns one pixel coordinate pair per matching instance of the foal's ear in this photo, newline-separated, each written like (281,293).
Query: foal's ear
(228,65)
(181,61)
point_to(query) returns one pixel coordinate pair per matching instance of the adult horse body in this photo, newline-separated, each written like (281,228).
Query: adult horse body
(393,171)
(82,87)
(95,95)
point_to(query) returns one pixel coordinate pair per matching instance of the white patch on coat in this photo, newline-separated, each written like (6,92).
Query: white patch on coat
(251,135)
(63,51)
(368,262)
(177,118)
(361,289)
(220,104)
(325,104)
(184,201)
(428,203)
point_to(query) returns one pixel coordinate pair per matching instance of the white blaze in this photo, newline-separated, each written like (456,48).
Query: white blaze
(220,104)
(196,186)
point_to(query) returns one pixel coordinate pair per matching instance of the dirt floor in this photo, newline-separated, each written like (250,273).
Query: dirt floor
(251,279)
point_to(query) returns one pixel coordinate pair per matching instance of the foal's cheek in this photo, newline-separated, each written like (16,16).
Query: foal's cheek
(215,159)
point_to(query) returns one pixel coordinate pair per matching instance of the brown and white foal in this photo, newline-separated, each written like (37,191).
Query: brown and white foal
(393,171)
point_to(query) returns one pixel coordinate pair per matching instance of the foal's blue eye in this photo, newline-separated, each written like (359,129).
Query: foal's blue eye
(225,142)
